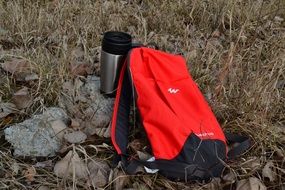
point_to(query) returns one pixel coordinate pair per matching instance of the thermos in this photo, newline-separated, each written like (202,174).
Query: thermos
(115,47)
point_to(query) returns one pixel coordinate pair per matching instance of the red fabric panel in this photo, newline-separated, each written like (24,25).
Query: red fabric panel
(170,103)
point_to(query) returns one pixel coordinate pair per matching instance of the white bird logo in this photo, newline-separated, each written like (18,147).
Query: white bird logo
(173,90)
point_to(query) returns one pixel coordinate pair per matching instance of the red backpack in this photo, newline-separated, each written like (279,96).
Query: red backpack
(186,139)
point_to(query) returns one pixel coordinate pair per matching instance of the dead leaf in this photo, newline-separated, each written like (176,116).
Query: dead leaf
(214,184)
(7,109)
(15,66)
(59,128)
(81,69)
(252,164)
(43,187)
(99,173)
(83,101)
(30,174)
(230,177)
(65,148)
(75,124)
(251,183)
(121,180)
(19,68)
(22,98)
(268,171)
(101,132)
(71,164)
(75,137)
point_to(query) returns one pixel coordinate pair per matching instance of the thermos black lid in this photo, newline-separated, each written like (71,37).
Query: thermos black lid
(118,43)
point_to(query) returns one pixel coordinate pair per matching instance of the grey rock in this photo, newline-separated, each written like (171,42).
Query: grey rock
(83,101)
(75,137)
(53,114)
(100,109)
(35,136)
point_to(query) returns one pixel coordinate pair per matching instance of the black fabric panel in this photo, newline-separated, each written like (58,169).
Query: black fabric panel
(205,153)
(122,122)
(179,171)
(198,160)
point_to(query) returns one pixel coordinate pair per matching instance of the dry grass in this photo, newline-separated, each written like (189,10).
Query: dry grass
(235,51)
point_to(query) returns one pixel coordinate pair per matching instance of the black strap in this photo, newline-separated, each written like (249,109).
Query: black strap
(192,170)
(244,144)
(121,111)
(178,169)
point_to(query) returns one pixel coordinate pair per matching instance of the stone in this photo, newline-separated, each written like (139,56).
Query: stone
(35,136)
(53,114)
(75,137)
(84,102)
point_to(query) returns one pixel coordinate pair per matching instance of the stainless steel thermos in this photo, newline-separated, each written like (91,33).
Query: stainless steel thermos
(115,47)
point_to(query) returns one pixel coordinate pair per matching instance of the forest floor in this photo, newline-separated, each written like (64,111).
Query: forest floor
(235,51)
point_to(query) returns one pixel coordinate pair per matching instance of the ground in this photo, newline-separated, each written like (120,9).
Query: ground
(235,51)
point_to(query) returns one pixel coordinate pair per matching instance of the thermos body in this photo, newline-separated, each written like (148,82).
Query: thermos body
(110,69)
(115,47)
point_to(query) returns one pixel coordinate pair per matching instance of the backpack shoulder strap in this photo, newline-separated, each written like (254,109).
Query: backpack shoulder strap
(243,144)
(121,112)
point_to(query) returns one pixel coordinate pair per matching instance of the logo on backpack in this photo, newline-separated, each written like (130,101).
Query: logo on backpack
(173,90)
